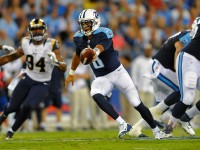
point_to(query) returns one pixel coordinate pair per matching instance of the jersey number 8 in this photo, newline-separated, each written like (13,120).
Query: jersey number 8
(98,63)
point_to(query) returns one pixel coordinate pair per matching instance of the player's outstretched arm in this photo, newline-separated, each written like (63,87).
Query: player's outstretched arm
(12,56)
(75,63)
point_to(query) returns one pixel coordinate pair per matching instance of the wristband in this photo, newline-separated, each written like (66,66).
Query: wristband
(97,51)
(71,72)
(60,62)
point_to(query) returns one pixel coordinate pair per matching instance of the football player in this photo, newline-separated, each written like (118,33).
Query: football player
(107,69)
(42,54)
(188,73)
(164,80)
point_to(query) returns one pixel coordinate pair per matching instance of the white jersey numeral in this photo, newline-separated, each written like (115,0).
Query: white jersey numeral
(98,63)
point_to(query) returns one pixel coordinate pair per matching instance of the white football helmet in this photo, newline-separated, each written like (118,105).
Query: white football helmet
(37,24)
(194,27)
(88,16)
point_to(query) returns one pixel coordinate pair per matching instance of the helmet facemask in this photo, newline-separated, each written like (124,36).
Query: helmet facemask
(194,27)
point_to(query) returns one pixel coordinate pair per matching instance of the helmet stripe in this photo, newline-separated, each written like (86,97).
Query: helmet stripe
(84,13)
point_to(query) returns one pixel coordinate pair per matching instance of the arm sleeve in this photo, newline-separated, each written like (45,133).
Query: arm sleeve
(78,50)
(105,40)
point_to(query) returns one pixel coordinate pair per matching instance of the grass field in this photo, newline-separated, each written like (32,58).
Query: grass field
(97,140)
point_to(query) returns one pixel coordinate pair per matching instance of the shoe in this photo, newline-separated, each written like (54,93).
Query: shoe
(187,128)
(124,128)
(167,132)
(59,128)
(41,128)
(157,133)
(156,113)
(9,135)
(135,132)
(142,136)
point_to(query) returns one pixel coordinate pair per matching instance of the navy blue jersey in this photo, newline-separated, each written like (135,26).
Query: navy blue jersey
(108,60)
(193,47)
(165,55)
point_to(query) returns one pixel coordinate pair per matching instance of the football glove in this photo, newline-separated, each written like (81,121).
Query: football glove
(8,49)
(53,58)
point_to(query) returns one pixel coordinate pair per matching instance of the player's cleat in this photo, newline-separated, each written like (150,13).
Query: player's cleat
(157,133)
(142,136)
(135,131)
(167,132)
(187,128)
(124,128)
(156,113)
(41,128)
(9,135)
(60,129)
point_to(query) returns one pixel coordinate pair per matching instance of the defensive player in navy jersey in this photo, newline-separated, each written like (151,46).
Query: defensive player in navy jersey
(164,80)
(108,71)
(188,73)
(42,54)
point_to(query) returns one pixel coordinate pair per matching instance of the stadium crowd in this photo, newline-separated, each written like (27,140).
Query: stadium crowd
(140,27)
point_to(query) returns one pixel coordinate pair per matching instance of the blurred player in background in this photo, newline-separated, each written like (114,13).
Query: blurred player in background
(53,98)
(188,75)
(108,71)
(164,80)
(42,54)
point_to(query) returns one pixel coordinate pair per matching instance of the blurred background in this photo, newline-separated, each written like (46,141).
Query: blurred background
(140,27)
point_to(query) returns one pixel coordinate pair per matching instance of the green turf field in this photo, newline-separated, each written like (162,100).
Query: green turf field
(97,140)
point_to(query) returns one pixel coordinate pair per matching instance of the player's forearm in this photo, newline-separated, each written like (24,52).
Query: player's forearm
(75,62)
(62,66)
(7,58)
(100,47)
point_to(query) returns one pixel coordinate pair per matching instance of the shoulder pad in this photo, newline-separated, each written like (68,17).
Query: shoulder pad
(78,34)
(185,40)
(26,39)
(107,31)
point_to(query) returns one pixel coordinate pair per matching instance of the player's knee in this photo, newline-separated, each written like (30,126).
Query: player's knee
(188,98)
(94,92)
(190,80)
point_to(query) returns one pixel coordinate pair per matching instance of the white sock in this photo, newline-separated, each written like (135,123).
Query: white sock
(155,129)
(161,106)
(120,120)
(172,121)
(192,111)
(11,130)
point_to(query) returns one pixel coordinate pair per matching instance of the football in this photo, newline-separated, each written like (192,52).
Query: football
(86,56)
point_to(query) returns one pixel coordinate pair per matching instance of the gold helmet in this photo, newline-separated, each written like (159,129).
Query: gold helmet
(37,24)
